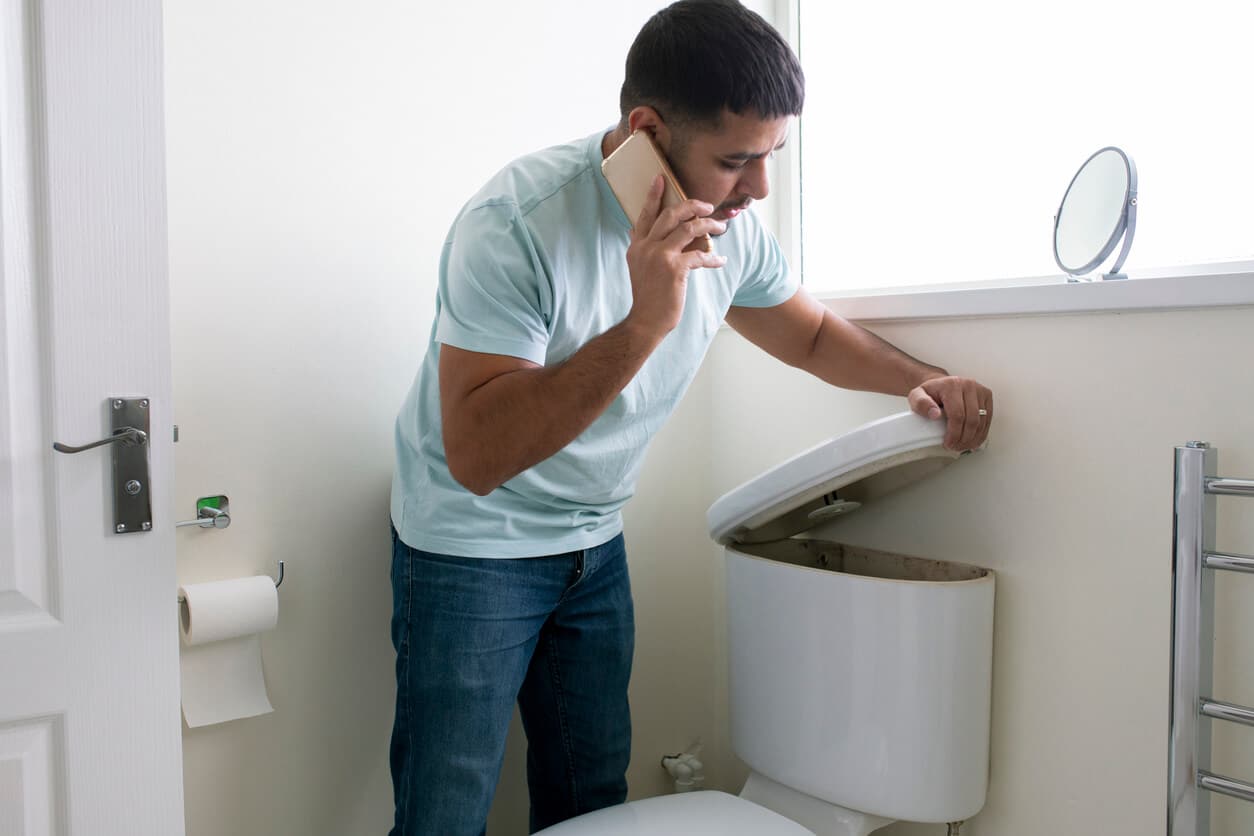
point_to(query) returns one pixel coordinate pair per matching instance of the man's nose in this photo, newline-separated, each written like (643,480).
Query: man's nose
(755,181)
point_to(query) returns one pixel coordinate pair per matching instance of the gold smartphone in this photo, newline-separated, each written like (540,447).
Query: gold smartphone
(631,169)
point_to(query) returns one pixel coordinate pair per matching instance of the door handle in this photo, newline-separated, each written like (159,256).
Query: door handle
(128,420)
(128,436)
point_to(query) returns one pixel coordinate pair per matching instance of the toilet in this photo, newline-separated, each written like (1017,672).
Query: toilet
(859,680)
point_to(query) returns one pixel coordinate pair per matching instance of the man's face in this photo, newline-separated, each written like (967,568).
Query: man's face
(727,167)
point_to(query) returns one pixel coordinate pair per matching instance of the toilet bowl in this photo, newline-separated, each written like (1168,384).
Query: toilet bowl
(859,680)
(703,813)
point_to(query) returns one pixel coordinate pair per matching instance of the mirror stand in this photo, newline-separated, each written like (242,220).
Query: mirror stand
(1128,232)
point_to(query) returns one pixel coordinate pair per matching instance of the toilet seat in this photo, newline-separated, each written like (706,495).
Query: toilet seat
(702,813)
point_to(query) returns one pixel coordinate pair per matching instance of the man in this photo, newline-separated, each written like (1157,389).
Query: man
(565,334)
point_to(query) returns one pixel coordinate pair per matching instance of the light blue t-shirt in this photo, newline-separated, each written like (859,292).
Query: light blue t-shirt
(535,266)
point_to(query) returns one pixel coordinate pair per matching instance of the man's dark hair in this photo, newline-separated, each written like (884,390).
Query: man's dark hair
(696,58)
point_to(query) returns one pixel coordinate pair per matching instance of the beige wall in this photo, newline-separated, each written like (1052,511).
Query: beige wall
(1071,505)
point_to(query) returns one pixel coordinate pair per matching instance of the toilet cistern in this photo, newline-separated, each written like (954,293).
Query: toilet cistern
(859,679)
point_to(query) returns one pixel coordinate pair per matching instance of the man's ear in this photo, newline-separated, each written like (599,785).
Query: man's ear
(645,118)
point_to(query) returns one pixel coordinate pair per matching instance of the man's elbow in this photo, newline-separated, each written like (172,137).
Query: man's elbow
(469,473)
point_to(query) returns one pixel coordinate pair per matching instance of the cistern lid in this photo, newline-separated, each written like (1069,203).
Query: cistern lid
(831,479)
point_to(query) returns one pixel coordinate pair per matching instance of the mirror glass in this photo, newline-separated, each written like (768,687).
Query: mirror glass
(1097,209)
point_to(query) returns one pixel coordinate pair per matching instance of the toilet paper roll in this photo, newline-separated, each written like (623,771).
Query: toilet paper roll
(227,609)
(220,659)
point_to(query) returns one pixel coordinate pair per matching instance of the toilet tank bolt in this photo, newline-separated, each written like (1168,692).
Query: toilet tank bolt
(954,827)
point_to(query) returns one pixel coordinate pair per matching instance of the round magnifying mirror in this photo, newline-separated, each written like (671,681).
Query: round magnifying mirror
(1098,208)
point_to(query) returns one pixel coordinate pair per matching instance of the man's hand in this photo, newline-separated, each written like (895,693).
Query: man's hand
(657,261)
(803,333)
(967,408)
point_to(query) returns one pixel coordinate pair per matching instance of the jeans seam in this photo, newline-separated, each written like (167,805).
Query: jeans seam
(582,567)
(409,726)
(563,723)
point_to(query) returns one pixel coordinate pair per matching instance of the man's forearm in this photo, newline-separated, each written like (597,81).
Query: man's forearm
(522,417)
(847,355)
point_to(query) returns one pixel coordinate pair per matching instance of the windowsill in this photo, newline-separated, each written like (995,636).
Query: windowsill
(1219,284)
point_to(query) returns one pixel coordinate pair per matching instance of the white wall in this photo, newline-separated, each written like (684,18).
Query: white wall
(317,153)
(1071,506)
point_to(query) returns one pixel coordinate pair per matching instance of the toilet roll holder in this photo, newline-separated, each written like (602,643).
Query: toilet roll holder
(277,582)
(214,512)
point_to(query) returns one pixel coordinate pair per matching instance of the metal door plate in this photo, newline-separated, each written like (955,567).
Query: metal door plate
(132,506)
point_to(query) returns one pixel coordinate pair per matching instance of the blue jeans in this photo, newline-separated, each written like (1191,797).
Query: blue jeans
(473,635)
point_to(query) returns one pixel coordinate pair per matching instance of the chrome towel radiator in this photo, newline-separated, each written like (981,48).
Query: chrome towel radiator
(1194,563)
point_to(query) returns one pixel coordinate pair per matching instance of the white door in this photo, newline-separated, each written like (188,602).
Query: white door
(89,703)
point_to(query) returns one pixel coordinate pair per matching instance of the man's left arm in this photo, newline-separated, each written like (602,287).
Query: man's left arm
(803,333)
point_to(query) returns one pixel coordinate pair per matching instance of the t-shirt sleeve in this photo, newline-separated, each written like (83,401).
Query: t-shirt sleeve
(494,297)
(766,280)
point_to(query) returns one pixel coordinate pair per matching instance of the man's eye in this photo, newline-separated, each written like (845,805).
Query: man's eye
(730,166)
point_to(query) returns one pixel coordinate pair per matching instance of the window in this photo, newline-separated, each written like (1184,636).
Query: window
(938,138)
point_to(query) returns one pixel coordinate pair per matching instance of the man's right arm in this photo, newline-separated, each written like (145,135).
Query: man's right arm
(502,415)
